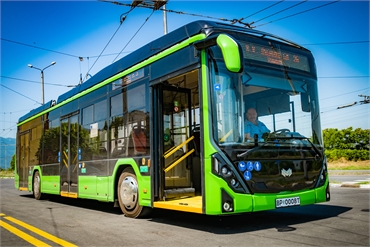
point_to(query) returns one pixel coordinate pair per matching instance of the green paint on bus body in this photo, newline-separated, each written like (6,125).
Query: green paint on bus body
(140,65)
(212,191)
(50,184)
(143,181)
(100,188)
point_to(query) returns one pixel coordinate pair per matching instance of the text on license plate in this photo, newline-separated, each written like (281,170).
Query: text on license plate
(287,202)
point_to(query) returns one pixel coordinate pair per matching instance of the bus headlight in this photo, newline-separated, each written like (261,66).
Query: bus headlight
(225,171)
(228,173)
(227,207)
(233,182)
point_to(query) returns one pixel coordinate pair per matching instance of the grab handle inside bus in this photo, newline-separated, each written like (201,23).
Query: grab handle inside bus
(230,49)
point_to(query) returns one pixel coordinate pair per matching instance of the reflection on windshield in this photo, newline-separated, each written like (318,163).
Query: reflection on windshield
(249,106)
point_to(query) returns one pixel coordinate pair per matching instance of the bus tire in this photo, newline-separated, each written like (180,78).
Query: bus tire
(37,186)
(128,195)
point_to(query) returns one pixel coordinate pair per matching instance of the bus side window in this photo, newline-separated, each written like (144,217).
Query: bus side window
(138,140)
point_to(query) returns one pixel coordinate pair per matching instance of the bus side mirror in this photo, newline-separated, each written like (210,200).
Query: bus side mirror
(232,54)
(230,49)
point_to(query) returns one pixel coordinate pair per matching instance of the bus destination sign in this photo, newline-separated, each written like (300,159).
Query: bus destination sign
(276,56)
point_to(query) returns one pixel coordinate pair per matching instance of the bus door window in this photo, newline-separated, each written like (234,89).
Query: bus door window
(69,154)
(176,123)
(24,159)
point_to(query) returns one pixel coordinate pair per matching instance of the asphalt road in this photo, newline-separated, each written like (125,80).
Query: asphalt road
(344,221)
(350,178)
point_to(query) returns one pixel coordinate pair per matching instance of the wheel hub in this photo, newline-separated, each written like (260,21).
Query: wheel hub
(128,192)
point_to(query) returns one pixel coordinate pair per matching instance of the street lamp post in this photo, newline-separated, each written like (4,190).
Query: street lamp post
(42,78)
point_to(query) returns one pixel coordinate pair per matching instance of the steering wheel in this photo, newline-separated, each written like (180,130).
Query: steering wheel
(281,131)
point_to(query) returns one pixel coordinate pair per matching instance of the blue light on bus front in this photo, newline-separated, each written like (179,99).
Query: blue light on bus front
(250,166)
(257,166)
(247,175)
(242,166)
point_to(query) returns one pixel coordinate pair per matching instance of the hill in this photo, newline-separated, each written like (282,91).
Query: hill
(7,150)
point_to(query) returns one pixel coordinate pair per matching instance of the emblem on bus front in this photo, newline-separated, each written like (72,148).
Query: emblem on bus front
(286,173)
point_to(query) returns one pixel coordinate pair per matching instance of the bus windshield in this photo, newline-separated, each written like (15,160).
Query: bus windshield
(265,101)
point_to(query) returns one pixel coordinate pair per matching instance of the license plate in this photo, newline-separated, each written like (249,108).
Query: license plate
(287,202)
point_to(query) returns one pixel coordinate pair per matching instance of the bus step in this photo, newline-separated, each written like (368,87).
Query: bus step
(179,192)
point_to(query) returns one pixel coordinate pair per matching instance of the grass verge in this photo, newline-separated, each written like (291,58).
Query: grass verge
(6,174)
(344,165)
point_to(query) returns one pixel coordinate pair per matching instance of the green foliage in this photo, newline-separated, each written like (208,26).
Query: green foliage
(351,144)
(12,164)
(348,154)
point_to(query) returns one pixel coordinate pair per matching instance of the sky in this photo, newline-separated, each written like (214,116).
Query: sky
(41,32)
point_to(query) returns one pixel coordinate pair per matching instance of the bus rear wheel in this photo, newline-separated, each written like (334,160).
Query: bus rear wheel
(128,195)
(37,186)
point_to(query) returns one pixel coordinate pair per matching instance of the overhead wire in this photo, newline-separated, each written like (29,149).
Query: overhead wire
(21,94)
(121,22)
(298,13)
(260,11)
(104,48)
(115,54)
(38,82)
(254,22)
(37,47)
(145,5)
(10,129)
(345,93)
(133,35)
(62,53)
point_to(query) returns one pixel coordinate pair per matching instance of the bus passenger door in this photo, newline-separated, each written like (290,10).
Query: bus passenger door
(173,117)
(69,156)
(23,162)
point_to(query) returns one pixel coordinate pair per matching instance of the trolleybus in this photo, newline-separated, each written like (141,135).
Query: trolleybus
(164,127)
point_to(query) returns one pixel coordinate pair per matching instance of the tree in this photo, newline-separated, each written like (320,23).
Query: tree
(12,164)
(352,144)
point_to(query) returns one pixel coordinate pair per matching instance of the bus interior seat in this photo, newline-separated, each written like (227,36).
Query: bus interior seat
(139,140)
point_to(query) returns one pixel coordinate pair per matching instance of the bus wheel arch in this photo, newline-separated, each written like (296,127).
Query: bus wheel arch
(36,185)
(128,195)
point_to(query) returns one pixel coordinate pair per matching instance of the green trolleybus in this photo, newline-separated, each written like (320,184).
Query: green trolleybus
(164,127)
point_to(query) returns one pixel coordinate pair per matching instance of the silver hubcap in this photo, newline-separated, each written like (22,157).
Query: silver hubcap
(128,192)
(36,185)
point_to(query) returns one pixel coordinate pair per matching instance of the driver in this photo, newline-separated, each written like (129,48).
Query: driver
(253,127)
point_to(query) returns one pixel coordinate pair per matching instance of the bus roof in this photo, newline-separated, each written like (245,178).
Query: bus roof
(146,52)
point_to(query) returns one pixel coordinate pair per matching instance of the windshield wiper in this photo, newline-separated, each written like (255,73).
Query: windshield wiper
(253,149)
(276,141)
(291,137)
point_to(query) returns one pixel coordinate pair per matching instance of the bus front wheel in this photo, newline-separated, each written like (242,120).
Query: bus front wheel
(128,195)
(37,186)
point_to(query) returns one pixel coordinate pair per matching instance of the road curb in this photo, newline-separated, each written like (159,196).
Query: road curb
(350,185)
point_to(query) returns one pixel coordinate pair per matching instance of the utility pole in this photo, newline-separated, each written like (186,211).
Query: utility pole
(42,79)
(164,19)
